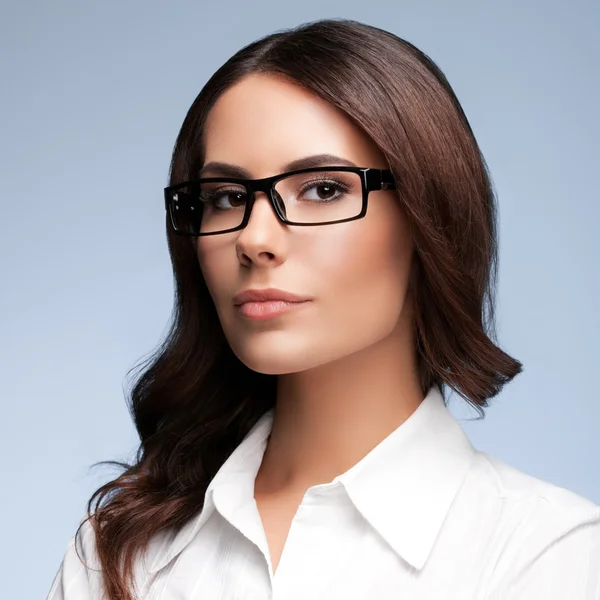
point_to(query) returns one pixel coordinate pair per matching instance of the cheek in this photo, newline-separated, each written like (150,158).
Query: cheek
(215,262)
(367,261)
(363,271)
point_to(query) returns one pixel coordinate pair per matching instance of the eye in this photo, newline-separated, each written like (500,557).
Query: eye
(224,198)
(323,191)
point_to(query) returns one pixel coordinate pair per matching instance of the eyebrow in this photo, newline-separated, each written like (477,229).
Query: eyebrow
(219,169)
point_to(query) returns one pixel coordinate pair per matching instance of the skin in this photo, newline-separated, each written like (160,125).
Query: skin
(346,361)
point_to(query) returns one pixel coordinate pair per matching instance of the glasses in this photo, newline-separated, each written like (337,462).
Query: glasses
(307,197)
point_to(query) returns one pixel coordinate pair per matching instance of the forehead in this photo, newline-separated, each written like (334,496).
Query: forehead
(264,121)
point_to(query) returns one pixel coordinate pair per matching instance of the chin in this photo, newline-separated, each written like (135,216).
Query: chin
(273,365)
(279,359)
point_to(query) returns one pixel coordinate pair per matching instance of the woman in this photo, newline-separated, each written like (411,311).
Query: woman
(332,229)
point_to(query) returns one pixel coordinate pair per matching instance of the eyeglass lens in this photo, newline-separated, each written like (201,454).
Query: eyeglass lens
(314,197)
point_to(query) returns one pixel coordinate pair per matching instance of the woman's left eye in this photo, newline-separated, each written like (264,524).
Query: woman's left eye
(323,191)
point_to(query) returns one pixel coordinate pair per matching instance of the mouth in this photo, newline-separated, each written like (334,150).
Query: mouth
(268,309)
(267,295)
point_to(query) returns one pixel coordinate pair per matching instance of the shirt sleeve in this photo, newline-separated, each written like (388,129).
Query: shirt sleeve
(557,567)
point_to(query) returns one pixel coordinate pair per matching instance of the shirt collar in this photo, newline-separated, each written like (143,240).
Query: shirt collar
(242,464)
(404,487)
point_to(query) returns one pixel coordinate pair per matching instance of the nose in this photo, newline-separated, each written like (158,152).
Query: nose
(261,242)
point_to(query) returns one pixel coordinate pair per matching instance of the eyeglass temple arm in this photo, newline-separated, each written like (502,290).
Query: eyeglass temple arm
(380,179)
(387,181)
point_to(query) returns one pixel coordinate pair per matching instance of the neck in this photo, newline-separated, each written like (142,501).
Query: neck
(328,418)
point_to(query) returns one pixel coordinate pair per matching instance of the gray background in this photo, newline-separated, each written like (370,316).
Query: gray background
(92,97)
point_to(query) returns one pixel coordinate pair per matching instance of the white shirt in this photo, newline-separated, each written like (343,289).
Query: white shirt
(422,516)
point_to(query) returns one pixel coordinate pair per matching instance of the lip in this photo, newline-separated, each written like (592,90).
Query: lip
(259,311)
(268,295)
(259,305)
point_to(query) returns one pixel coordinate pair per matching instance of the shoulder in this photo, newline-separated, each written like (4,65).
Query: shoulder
(546,535)
(83,543)
(517,487)
(80,574)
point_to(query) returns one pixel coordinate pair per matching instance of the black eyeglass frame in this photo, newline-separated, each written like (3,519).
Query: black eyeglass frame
(371,179)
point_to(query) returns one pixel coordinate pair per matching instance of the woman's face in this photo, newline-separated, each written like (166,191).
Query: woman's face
(356,273)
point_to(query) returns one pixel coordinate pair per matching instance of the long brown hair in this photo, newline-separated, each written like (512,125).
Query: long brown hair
(194,401)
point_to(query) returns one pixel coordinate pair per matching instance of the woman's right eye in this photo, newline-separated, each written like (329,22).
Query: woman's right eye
(224,199)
